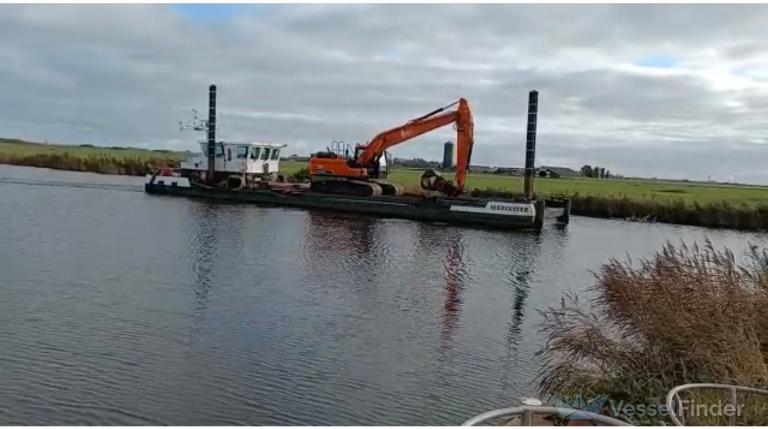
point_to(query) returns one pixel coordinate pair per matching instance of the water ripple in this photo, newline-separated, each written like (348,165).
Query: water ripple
(119,308)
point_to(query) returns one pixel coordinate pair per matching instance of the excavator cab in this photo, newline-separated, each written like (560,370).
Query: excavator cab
(359,149)
(384,164)
(380,168)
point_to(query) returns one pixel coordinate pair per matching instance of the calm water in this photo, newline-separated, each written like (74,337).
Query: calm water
(118,307)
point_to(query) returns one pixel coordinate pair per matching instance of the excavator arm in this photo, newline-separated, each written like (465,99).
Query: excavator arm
(462,116)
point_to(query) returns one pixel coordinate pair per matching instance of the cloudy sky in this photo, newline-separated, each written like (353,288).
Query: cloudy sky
(651,90)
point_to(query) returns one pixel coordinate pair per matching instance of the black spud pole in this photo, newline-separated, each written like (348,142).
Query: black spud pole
(211,134)
(530,143)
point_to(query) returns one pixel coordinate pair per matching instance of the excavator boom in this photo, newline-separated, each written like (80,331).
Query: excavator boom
(462,116)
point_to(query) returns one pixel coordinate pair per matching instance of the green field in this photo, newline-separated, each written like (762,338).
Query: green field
(635,189)
(19,148)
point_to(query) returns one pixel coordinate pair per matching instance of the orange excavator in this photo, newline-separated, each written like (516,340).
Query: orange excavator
(363,173)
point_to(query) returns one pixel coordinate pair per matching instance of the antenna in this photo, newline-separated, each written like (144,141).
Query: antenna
(196,124)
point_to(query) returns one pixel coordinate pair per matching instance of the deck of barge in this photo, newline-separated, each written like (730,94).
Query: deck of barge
(494,213)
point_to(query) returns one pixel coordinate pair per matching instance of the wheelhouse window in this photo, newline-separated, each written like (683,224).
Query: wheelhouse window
(275,154)
(219,151)
(255,152)
(242,152)
(265,154)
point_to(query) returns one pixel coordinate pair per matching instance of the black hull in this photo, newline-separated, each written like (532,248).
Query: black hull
(419,209)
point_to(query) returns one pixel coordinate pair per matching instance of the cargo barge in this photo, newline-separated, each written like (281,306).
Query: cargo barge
(248,173)
(496,213)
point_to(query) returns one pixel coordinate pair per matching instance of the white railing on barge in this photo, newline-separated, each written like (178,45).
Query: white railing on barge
(526,415)
(674,399)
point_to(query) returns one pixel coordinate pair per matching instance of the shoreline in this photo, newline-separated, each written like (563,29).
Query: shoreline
(93,164)
(720,215)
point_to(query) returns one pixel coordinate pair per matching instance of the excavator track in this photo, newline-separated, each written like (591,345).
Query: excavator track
(389,188)
(357,188)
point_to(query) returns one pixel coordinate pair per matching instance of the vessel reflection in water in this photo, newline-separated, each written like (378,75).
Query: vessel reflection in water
(454,273)
(518,280)
(204,250)
(408,284)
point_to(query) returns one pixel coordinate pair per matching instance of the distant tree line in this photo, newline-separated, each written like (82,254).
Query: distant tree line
(415,163)
(296,157)
(595,172)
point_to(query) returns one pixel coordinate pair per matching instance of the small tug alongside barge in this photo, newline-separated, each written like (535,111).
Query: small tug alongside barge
(246,173)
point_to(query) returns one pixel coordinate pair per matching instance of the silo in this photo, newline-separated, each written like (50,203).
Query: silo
(447,155)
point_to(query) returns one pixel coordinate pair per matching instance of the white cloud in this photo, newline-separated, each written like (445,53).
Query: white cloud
(308,74)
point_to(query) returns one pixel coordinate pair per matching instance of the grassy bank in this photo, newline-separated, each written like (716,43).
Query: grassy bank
(632,189)
(686,315)
(114,160)
(688,203)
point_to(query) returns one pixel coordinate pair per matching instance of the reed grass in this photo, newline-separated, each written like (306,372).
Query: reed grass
(115,160)
(686,315)
(717,214)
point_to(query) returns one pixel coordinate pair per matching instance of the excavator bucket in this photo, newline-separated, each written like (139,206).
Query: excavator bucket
(432,181)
